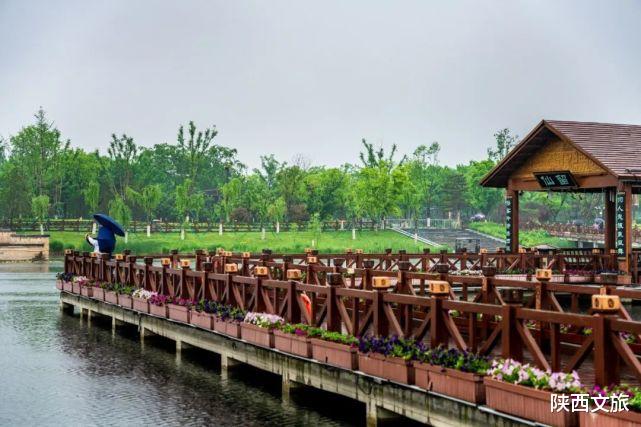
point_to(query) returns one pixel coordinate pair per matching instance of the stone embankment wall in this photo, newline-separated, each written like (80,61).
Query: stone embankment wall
(15,247)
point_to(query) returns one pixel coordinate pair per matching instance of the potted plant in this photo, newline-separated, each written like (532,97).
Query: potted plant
(258,328)
(388,357)
(111,293)
(200,317)
(603,412)
(526,391)
(63,278)
(99,291)
(178,309)
(452,372)
(614,277)
(158,305)
(125,299)
(227,319)
(140,300)
(334,348)
(77,283)
(87,290)
(293,339)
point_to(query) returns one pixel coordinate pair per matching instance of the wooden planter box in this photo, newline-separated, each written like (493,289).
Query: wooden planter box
(178,313)
(158,310)
(257,335)
(59,285)
(201,319)
(579,279)
(335,354)
(614,279)
(86,291)
(125,301)
(525,402)
(98,293)
(141,304)
(293,344)
(391,368)
(450,382)
(111,297)
(610,419)
(75,288)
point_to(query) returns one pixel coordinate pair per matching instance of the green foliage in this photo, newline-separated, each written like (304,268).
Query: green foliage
(40,207)
(91,194)
(119,210)
(336,337)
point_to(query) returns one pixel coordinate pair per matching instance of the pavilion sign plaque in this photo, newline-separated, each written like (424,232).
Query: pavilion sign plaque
(509,206)
(620,224)
(556,180)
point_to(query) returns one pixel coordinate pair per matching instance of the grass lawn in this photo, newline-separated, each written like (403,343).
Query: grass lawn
(288,242)
(526,238)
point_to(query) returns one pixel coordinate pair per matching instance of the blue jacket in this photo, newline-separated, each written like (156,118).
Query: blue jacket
(106,240)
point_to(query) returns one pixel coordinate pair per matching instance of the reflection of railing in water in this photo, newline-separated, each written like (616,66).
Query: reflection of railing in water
(343,299)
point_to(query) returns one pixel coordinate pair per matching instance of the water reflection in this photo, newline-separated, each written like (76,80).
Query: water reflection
(57,370)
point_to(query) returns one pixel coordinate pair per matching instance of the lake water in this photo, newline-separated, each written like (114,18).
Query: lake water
(58,370)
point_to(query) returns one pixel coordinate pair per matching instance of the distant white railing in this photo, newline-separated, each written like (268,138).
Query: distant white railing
(422,223)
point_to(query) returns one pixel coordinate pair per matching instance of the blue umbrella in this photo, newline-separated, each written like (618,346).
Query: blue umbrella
(109,223)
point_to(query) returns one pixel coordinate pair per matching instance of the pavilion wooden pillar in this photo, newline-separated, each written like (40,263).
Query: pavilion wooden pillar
(512,220)
(609,218)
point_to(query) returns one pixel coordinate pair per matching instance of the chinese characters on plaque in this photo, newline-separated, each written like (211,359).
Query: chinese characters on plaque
(620,224)
(509,205)
(562,179)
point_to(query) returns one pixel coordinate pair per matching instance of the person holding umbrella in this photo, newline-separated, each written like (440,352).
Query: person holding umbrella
(106,240)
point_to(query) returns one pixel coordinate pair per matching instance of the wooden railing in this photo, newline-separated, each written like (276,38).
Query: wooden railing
(488,314)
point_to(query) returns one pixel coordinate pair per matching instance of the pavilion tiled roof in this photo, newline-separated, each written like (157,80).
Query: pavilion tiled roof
(616,147)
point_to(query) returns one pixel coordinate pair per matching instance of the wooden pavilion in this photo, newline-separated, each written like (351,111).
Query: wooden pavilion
(575,157)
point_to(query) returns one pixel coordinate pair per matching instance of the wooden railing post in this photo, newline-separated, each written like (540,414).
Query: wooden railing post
(511,345)
(333,316)
(293,309)
(367,274)
(200,253)
(147,280)
(606,358)
(103,267)
(438,329)
(131,262)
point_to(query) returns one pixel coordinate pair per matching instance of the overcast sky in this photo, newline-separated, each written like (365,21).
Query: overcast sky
(313,78)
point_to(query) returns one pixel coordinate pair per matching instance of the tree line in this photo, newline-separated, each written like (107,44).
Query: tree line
(192,178)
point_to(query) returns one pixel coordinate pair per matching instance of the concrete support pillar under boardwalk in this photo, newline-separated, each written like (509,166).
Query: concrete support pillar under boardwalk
(375,414)
(288,387)
(226,364)
(66,307)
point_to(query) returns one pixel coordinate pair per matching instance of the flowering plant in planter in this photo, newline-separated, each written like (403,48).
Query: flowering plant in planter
(158,299)
(613,406)
(141,293)
(292,338)
(526,391)
(514,372)
(453,358)
(452,372)
(140,299)
(178,308)
(264,320)
(65,277)
(389,357)
(394,346)
(258,328)
(336,337)
(78,282)
(334,348)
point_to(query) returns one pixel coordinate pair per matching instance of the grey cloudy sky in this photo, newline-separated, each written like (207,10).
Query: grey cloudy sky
(313,78)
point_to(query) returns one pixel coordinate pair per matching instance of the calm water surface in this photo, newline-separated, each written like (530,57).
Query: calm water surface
(56,369)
